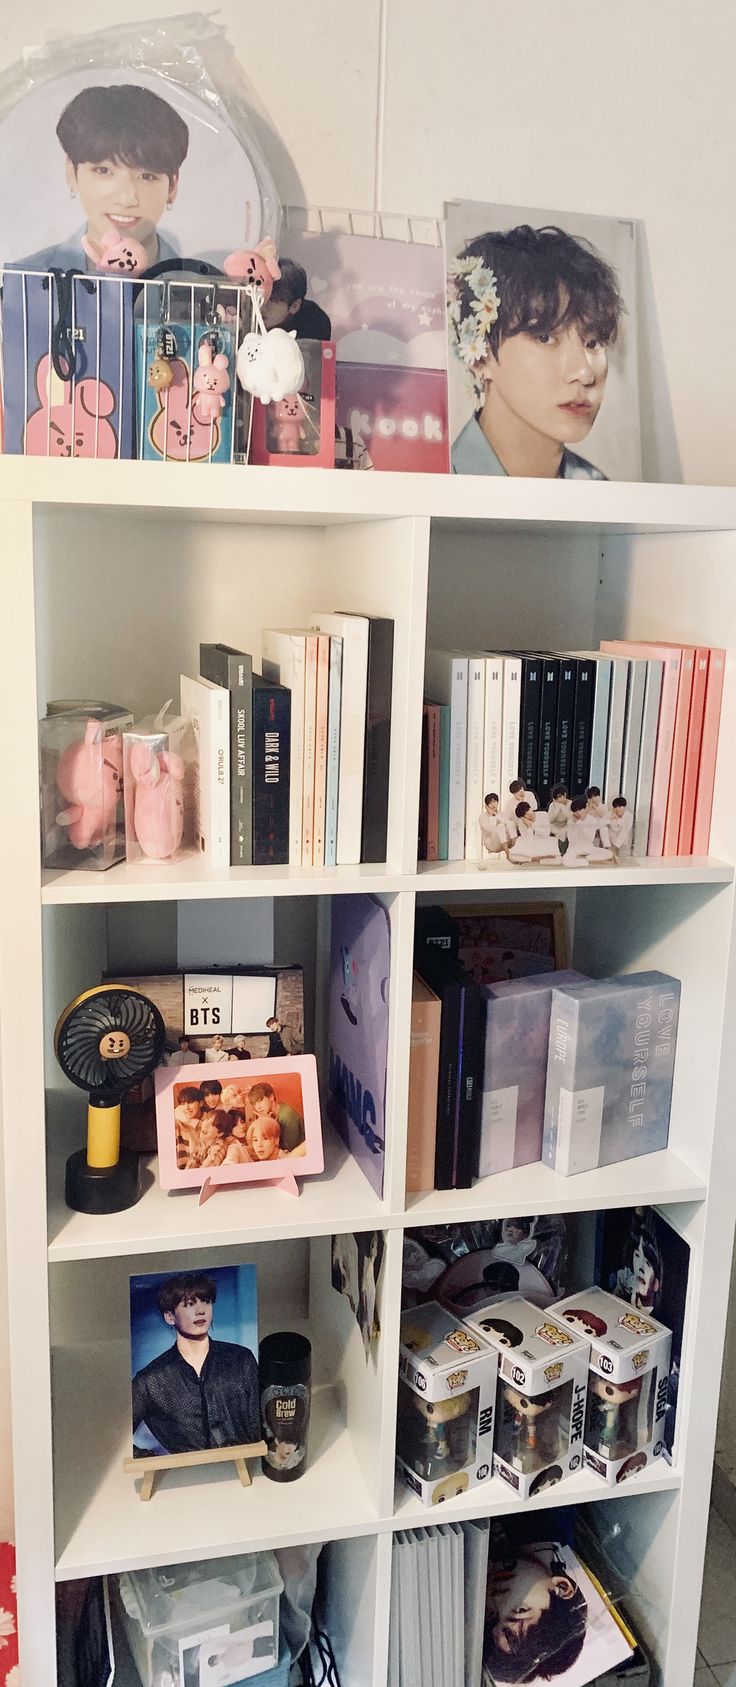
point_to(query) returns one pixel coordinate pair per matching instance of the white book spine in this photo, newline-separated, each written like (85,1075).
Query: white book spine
(207,706)
(599,733)
(353,630)
(284,663)
(612,786)
(632,730)
(333,750)
(493,726)
(310,741)
(446,681)
(474,791)
(511,723)
(647,754)
(320,750)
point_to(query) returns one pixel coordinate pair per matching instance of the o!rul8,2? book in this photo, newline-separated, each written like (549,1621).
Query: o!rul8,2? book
(207,706)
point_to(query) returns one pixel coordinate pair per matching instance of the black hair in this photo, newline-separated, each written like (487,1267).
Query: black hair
(544,279)
(491,797)
(647,1242)
(187,1093)
(546,1479)
(516,785)
(211,1086)
(550,1646)
(593,791)
(129,124)
(618,802)
(524,1224)
(292,285)
(521,809)
(508,1334)
(190,1285)
(558,791)
(578,804)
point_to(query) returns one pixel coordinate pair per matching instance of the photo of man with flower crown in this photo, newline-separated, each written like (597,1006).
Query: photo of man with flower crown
(542,329)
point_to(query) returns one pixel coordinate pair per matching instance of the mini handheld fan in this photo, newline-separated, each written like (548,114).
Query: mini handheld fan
(107,1040)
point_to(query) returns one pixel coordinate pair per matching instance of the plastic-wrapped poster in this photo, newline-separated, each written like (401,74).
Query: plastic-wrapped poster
(542,323)
(360,959)
(545,1614)
(643,1259)
(138,135)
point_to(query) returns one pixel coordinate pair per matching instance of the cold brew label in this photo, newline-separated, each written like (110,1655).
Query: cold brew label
(285,1417)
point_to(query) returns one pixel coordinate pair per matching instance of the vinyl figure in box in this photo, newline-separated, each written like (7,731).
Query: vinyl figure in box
(440,1435)
(285,425)
(534,1428)
(612,1416)
(89,776)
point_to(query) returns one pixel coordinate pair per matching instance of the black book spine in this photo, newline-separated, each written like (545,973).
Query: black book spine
(271,752)
(234,670)
(471,1062)
(374,836)
(565,721)
(547,728)
(583,728)
(531,696)
(448,1087)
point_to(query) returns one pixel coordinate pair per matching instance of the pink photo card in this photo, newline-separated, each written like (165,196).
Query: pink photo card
(238,1121)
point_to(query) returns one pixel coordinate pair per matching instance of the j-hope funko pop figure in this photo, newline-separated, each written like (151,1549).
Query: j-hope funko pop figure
(540,1409)
(627,1385)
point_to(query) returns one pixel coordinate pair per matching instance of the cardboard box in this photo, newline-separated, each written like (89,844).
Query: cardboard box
(447,1393)
(540,1411)
(627,1387)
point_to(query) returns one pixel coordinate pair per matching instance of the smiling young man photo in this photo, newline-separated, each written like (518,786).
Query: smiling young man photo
(124,147)
(532,315)
(199,1393)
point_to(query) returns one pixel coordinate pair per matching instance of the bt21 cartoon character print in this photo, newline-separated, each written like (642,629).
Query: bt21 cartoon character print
(178,430)
(258,269)
(116,255)
(72,420)
(211,382)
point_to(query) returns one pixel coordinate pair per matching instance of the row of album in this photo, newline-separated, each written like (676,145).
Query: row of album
(572,758)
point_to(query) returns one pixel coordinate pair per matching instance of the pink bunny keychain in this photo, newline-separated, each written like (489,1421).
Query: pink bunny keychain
(211,382)
(117,253)
(258,269)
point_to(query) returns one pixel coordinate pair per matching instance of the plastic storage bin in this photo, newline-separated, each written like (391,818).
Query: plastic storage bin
(171,1612)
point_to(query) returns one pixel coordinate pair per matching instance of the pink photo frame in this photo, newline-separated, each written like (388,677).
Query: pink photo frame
(238,1121)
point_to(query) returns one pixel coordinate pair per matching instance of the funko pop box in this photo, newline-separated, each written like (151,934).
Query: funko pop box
(447,1394)
(627,1386)
(540,1410)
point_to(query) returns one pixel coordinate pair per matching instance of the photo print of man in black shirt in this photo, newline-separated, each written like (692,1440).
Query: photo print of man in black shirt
(200,1393)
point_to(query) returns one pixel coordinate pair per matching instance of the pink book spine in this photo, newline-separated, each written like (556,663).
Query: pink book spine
(666,730)
(310,723)
(692,757)
(320,750)
(709,752)
(433,783)
(679,751)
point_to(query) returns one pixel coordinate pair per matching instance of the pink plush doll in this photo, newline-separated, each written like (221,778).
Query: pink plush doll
(89,776)
(158,812)
(285,424)
(117,253)
(211,382)
(258,269)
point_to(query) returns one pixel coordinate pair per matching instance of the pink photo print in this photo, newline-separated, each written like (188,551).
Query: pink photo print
(238,1121)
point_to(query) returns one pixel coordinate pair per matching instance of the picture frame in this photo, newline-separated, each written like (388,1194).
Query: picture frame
(191,1139)
(486,935)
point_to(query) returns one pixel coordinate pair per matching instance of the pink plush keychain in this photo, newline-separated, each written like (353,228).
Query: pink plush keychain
(116,253)
(89,776)
(258,269)
(158,812)
(211,382)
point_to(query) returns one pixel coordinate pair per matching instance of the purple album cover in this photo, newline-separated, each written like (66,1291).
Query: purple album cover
(360,959)
(385,298)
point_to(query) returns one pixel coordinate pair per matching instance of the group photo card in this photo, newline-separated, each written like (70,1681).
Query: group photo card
(543,360)
(238,1121)
(194,1360)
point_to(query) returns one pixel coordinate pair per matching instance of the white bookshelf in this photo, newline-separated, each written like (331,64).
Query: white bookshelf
(112,573)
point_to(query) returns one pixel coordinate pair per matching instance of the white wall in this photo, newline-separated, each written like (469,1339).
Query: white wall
(622,109)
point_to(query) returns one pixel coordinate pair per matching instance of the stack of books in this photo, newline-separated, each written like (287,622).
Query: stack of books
(438,1586)
(554,1067)
(293,762)
(612,749)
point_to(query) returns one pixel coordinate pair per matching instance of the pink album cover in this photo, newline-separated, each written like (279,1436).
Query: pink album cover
(709,752)
(385,298)
(400,414)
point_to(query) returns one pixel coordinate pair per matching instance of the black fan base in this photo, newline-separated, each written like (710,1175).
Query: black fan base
(107,1189)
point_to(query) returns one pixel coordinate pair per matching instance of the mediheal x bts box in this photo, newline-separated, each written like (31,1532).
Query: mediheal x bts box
(609,1070)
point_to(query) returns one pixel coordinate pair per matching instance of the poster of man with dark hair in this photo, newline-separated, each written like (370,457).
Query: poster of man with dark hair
(543,353)
(194,1345)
